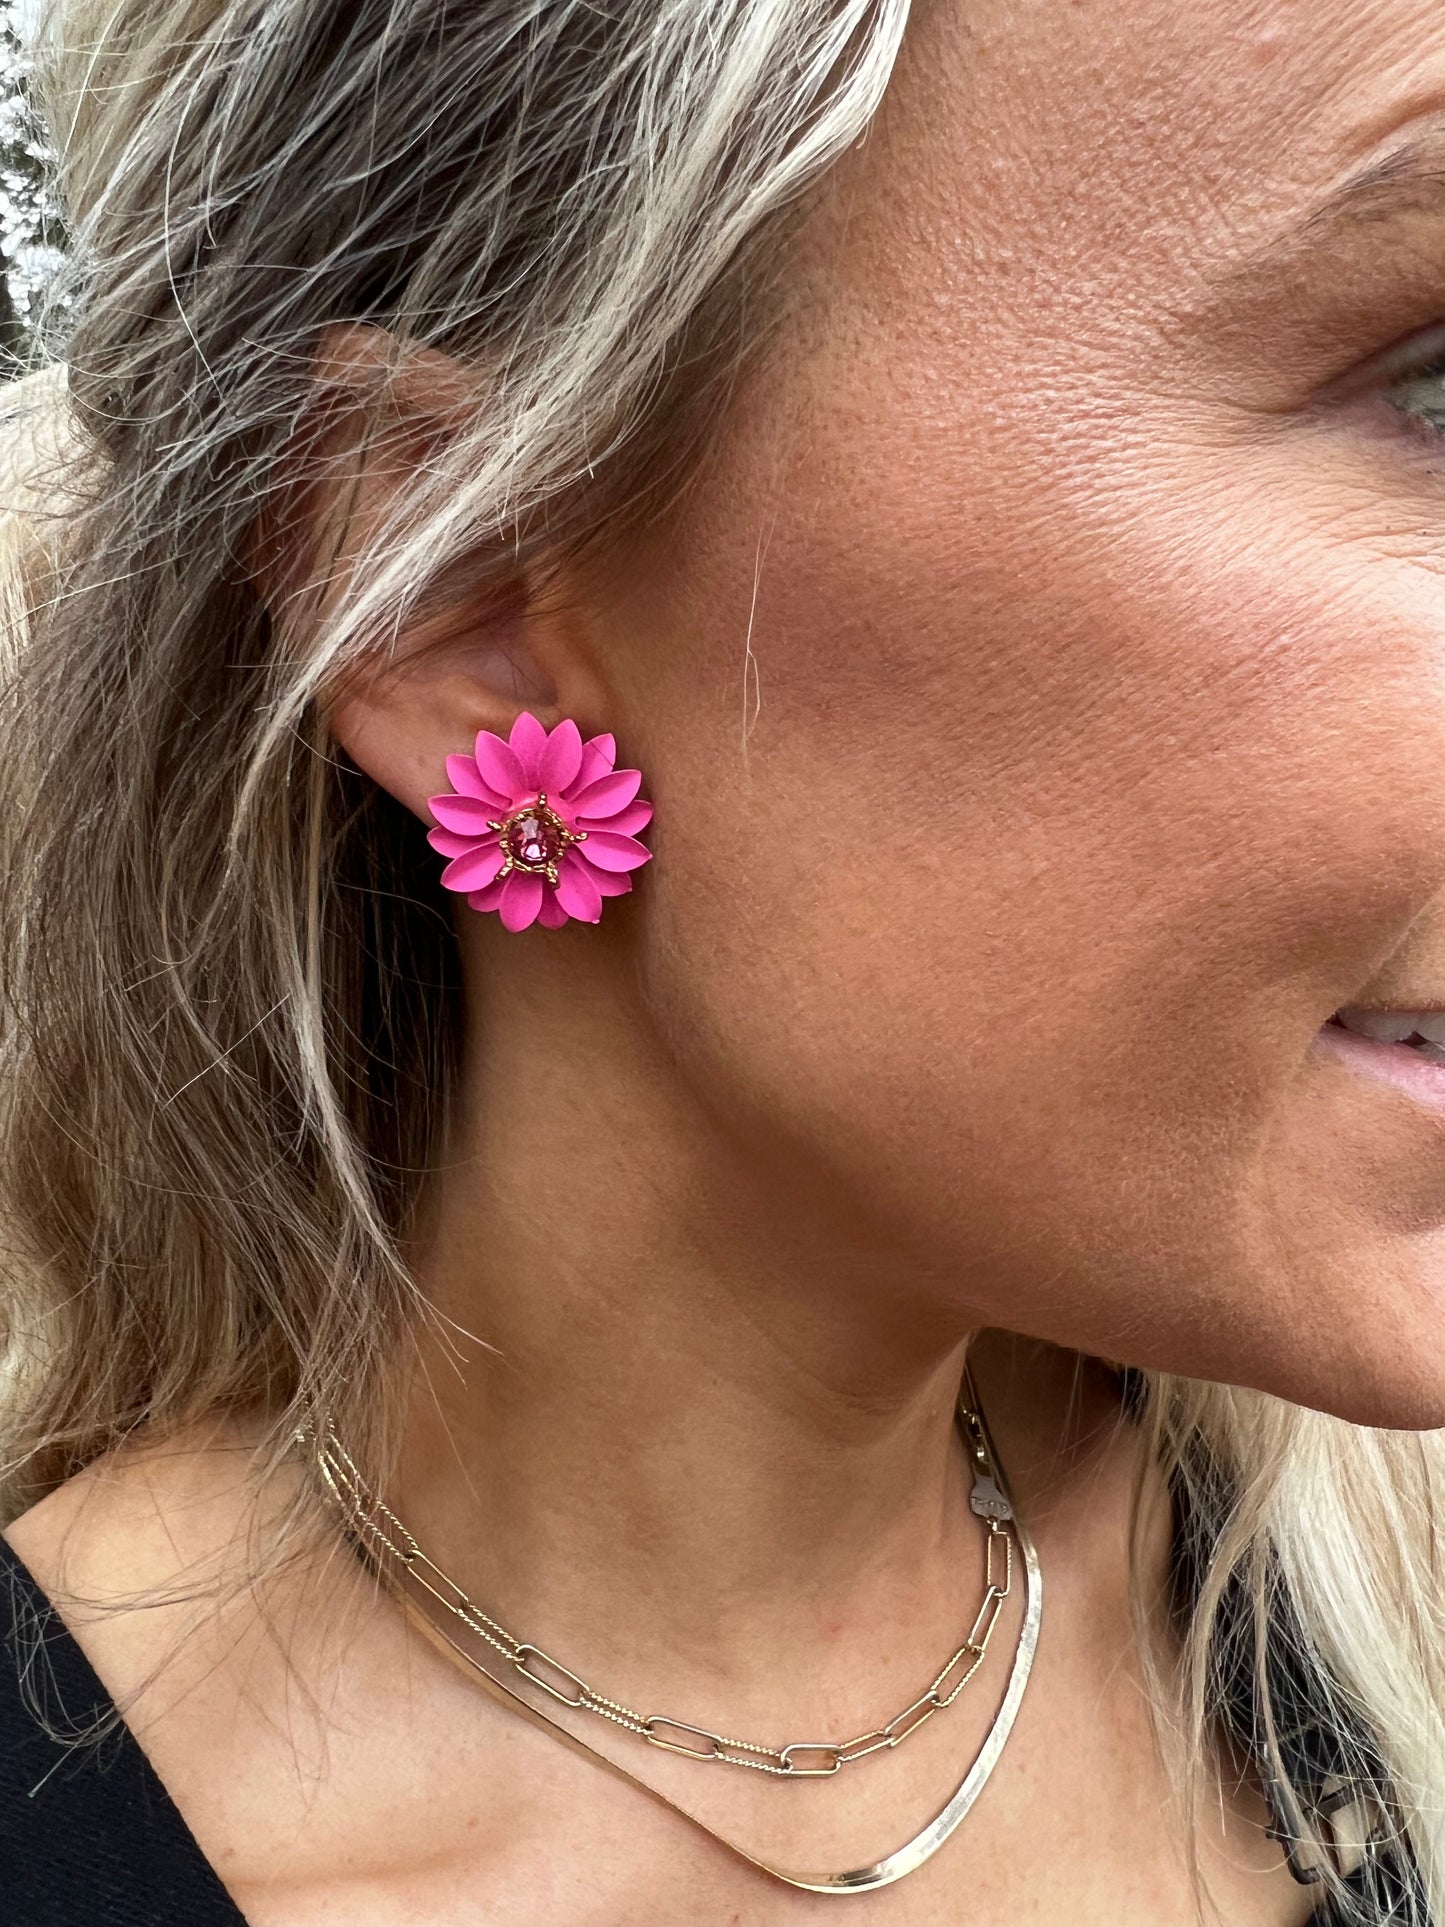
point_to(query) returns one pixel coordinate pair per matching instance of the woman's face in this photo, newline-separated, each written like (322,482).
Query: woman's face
(1044,691)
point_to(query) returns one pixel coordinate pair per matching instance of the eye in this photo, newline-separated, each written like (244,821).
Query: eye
(1419,391)
(1402,390)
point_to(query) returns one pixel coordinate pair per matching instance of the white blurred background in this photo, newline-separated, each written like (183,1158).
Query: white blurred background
(32,235)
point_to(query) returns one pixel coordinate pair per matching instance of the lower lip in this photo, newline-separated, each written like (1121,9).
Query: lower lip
(1396,1064)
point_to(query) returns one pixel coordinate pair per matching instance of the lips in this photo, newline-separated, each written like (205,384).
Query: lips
(1413,1062)
(1422,1031)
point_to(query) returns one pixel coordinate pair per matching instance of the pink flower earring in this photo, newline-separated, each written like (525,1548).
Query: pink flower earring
(540,827)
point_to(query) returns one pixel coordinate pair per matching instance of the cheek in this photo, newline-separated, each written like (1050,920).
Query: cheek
(1020,911)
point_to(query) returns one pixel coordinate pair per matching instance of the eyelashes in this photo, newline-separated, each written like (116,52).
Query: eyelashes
(1399,391)
(1419,395)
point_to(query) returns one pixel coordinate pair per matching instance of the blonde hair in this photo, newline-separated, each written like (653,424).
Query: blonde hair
(230,1019)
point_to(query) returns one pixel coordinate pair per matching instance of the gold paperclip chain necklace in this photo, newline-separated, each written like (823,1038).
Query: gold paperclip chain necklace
(375,1529)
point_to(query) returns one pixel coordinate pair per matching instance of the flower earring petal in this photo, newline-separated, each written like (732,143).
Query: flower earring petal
(521,899)
(577,894)
(541,828)
(527,741)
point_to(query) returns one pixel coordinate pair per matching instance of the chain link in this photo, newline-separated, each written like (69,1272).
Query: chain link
(373,1521)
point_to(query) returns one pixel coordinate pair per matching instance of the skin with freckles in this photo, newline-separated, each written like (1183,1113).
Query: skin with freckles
(1096,758)
(1040,692)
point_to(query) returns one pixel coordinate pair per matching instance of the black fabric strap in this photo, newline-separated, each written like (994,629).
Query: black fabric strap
(89,1836)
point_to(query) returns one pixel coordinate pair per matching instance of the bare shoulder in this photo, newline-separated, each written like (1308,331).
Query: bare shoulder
(309,1741)
(146,1555)
(141,1517)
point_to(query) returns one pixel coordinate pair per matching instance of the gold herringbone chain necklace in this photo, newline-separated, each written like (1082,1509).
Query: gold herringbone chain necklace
(390,1552)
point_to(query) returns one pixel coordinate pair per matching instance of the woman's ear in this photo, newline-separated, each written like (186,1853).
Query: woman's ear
(482,647)
(399,716)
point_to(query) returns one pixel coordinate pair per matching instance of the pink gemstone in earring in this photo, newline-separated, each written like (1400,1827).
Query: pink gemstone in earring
(540,827)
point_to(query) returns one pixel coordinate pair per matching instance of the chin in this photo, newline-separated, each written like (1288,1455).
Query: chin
(1356,1331)
(1366,1344)
(1386,1370)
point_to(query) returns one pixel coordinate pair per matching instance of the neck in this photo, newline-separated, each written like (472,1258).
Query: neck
(694,1432)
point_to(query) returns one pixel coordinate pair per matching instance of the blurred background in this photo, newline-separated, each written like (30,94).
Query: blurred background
(32,234)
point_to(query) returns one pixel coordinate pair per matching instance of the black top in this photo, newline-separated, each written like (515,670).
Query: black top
(89,1837)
